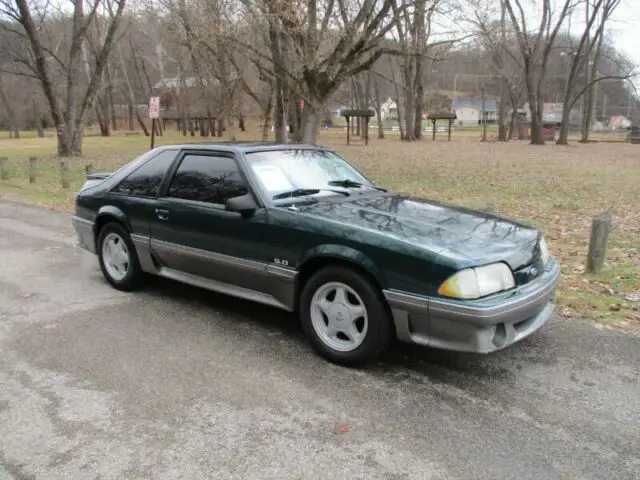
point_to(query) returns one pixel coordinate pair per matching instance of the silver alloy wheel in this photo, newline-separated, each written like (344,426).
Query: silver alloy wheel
(115,256)
(339,317)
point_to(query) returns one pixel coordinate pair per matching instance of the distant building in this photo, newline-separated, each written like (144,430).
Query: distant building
(469,111)
(619,122)
(389,110)
(552,113)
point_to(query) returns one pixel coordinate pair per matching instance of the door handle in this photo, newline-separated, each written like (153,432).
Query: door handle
(162,214)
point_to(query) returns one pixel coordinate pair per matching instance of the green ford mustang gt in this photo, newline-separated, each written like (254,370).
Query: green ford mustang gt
(298,228)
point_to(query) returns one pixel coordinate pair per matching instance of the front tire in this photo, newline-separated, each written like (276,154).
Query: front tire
(345,316)
(118,258)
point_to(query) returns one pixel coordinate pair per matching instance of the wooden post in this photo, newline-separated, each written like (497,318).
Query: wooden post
(348,125)
(366,130)
(4,169)
(64,175)
(153,132)
(600,229)
(450,122)
(433,130)
(33,163)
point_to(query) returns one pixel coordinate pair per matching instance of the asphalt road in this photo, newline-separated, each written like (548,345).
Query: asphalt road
(174,382)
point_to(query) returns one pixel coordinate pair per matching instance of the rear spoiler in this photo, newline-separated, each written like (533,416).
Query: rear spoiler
(95,179)
(98,175)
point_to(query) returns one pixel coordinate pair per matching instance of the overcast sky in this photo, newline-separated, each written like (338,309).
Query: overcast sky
(626,29)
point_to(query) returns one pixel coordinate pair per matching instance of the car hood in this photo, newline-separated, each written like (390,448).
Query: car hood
(465,235)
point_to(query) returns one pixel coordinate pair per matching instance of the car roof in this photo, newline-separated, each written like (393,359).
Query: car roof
(243,147)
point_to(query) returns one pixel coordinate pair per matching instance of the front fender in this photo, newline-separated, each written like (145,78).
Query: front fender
(344,253)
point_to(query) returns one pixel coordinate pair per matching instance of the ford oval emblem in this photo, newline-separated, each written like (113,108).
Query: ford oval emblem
(534,271)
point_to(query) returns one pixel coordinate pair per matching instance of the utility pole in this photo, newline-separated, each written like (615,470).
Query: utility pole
(502,128)
(586,62)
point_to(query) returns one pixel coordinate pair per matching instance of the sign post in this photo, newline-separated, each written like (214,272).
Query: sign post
(154,108)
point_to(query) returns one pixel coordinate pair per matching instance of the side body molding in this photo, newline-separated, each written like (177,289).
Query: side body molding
(270,284)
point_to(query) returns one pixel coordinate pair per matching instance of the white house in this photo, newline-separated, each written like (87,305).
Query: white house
(469,111)
(389,110)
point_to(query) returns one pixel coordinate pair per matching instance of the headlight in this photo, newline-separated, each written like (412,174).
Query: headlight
(478,282)
(544,251)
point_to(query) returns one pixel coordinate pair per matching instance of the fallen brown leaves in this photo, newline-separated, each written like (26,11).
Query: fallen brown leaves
(555,188)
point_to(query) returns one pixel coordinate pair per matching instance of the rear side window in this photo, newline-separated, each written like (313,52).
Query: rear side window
(145,181)
(207,178)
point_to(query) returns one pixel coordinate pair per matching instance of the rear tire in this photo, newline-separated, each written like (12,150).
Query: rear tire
(118,258)
(345,316)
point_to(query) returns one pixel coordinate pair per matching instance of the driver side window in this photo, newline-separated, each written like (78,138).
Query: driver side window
(207,178)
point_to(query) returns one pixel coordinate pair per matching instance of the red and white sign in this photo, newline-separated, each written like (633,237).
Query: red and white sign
(154,107)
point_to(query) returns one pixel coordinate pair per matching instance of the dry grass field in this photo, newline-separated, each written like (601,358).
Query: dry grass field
(558,189)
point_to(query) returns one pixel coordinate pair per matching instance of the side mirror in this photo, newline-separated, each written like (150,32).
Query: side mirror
(244,204)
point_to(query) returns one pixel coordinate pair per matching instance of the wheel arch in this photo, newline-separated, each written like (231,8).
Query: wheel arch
(107,214)
(348,257)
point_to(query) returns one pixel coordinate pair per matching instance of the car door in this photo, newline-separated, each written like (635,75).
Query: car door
(136,194)
(194,234)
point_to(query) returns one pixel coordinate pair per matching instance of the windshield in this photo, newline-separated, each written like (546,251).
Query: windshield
(281,171)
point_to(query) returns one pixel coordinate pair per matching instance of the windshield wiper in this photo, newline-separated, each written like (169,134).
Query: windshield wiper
(352,183)
(344,183)
(300,192)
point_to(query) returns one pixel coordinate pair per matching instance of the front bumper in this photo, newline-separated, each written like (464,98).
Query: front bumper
(85,233)
(480,326)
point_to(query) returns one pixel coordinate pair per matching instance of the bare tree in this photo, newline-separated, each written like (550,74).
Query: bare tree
(68,113)
(315,45)
(589,41)
(377,102)
(535,48)
(413,32)
(14,129)
(506,64)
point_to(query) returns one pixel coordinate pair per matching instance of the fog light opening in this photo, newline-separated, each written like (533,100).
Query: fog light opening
(499,335)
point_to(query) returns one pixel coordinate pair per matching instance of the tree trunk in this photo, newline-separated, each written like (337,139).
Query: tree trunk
(588,114)
(534,108)
(376,105)
(14,132)
(399,110)
(417,130)
(207,122)
(192,130)
(295,117)
(37,118)
(70,140)
(267,118)
(130,112)
(513,121)
(102,114)
(109,99)
(503,136)
(563,134)
(142,124)
(311,115)
(104,131)
(281,113)
(409,103)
